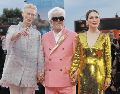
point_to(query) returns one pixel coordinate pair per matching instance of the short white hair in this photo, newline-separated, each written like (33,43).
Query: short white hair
(54,11)
(29,6)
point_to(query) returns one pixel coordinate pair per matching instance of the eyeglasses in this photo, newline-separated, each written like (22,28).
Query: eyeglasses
(61,18)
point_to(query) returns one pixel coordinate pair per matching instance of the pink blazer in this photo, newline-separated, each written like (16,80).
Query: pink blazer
(58,60)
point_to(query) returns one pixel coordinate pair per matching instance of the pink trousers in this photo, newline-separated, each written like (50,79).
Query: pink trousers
(60,90)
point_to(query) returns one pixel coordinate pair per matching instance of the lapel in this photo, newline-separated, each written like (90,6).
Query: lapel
(60,41)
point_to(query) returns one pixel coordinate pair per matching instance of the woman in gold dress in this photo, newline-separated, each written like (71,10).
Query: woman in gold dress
(92,59)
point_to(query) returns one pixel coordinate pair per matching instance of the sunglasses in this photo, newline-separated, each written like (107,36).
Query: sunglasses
(61,18)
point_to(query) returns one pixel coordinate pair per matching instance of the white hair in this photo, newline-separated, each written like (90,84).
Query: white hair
(29,6)
(56,10)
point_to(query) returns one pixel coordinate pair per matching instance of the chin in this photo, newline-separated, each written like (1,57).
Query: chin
(59,27)
(95,26)
(29,23)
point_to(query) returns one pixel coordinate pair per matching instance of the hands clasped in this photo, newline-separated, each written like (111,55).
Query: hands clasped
(74,78)
(40,77)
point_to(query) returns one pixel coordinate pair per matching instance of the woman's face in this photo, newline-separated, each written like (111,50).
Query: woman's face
(93,20)
(28,16)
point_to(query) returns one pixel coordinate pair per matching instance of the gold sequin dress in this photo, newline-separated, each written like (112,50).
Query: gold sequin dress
(94,63)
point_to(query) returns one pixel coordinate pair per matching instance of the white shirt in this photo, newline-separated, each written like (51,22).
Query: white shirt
(57,35)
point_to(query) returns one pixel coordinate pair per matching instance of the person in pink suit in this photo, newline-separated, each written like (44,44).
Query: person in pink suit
(58,48)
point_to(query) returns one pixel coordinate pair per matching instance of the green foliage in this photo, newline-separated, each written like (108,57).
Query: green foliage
(10,16)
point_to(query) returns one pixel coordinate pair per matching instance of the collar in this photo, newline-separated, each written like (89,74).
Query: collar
(57,34)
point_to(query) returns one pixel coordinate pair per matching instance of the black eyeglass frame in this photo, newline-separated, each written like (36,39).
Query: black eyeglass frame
(61,18)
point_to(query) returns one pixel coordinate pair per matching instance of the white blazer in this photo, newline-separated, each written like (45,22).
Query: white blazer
(24,58)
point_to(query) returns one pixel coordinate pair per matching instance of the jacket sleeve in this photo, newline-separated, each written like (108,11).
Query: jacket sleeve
(10,33)
(76,58)
(107,57)
(40,57)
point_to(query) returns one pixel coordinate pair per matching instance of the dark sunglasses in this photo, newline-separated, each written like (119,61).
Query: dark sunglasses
(61,18)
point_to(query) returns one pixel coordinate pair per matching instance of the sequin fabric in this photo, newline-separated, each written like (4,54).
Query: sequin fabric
(96,67)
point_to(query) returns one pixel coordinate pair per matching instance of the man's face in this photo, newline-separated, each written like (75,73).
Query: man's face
(29,15)
(57,22)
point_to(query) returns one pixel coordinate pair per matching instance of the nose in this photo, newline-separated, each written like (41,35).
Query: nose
(94,19)
(58,20)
